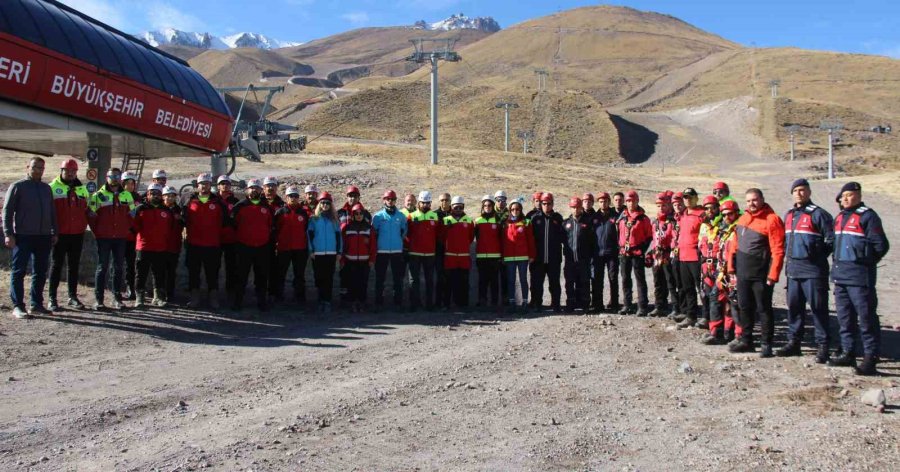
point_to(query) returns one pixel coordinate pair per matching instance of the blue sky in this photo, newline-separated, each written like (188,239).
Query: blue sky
(871,27)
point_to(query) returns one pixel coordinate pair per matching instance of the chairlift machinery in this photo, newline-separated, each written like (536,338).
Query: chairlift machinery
(252,139)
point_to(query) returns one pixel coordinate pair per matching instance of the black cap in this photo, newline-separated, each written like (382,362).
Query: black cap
(851,187)
(689,192)
(799,183)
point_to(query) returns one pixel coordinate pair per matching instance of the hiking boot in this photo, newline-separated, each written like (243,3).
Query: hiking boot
(741,345)
(161,302)
(627,309)
(822,354)
(20,313)
(139,301)
(613,308)
(99,306)
(658,311)
(712,339)
(846,359)
(791,349)
(679,317)
(53,306)
(641,312)
(686,323)
(75,303)
(867,367)
(729,335)
(765,351)
(129,293)
(733,342)
(117,304)
(702,323)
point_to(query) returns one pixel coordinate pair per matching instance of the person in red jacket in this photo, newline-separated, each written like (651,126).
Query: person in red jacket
(635,236)
(689,256)
(110,221)
(154,224)
(253,219)
(517,244)
(359,250)
(291,245)
(757,255)
(678,209)
(204,217)
(345,216)
(660,255)
(488,254)
(176,241)
(228,234)
(129,183)
(422,233)
(70,198)
(457,233)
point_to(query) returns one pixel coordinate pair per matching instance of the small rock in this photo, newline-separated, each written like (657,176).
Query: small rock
(44,459)
(879,408)
(873,397)
(685,368)
(181,404)
(671,328)
(11,379)
(670,349)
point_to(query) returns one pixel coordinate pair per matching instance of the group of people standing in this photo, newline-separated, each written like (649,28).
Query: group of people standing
(714,267)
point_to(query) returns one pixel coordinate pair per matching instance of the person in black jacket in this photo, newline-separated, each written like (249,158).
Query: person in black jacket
(606,256)
(549,237)
(578,250)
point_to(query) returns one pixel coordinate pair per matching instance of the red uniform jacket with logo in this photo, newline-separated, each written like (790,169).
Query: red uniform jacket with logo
(360,242)
(253,222)
(635,233)
(457,235)
(422,232)
(487,236)
(155,227)
(518,240)
(204,221)
(290,228)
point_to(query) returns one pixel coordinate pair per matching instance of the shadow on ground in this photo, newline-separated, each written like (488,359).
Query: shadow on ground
(636,143)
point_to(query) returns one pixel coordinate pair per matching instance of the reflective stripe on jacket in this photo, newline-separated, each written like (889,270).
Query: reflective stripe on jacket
(111,213)
(457,234)
(487,236)
(71,202)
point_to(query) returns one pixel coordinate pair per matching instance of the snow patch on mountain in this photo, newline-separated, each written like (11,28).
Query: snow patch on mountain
(461,21)
(171,36)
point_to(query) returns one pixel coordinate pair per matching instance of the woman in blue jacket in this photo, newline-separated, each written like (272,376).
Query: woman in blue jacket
(324,245)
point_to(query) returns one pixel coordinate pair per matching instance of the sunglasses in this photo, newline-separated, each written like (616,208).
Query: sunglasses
(546,203)
(426,203)
(500,199)
(293,195)
(391,199)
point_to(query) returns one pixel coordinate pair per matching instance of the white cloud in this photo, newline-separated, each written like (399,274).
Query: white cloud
(163,15)
(356,17)
(108,11)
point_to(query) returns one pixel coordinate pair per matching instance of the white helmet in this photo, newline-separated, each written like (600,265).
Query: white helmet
(223,178)
(292,190)
(160,174)
(154,187)
(487,198)
(254,183)
(170,190)
(499,194)
(204,177)
(425,196)
(311,189)
(270,181)
(457,200)
(128,175)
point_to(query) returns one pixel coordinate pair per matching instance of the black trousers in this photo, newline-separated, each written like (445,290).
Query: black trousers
(357,276)
(229,254)
(457,287)
(489,280)
(634,265)
(540,271)
(155,262)
(609,265)
(504,285)
(256,259)
(205,259)
(171,274)
(440,285)
(323,269)
(297,260)
(664,285)
(130,272)
(420,266)
(395,261)
(273,269)
(689,275)
(67,251)
(578,283)
(755,301)
(679,290)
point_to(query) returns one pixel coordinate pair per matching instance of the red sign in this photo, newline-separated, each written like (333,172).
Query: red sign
(43,78)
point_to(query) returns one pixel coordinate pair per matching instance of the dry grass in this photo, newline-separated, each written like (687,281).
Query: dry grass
(821,399)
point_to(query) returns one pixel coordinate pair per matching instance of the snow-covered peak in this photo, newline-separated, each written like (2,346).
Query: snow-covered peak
(462,21)
(171,36)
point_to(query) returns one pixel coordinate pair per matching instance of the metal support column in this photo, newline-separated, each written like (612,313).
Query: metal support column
(434,109)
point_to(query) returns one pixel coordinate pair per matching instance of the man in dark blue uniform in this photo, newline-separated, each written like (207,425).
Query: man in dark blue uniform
(859,244)
(808,241)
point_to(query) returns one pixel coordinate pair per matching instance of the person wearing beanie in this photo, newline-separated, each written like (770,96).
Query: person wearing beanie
(809,240)
(635,236)
(859,245)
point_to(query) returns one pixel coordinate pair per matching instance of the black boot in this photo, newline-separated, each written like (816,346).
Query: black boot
(867,367)
(702,323)
(712,339)
(741,345)
(846,359)
(686,323)
(765,351)
(659,310)
(822,354)
(791,349)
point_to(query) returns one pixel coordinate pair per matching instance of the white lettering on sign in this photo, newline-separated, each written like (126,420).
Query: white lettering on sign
(14,70)
(183,123)
(71,87)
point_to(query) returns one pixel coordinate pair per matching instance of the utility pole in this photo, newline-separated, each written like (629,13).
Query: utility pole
(792,130)
(525,136)
(542,78)
(774,83)
(431,50)
(506,106)
(831,125)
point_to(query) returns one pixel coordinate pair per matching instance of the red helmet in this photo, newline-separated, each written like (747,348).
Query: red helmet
(710,200)
(574,202)
(632,195)
(602,196)
(720,186)
(588,196)
(537,195)
(324,196)
(357,207)
(352,189)
(69,164)
(678,196)
(546,197)
(390,194)
(663,198)
(730,205)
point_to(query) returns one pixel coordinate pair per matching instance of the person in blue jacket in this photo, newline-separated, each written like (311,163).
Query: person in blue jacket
(390,225)
(808,241)
(859,244)
(324,235)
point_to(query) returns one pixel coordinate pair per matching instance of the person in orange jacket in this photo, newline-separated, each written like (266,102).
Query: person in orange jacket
(359,250)
(457,232)
(518,251)
(756,257)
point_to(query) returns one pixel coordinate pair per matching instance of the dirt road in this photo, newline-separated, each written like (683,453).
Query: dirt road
(191,390)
